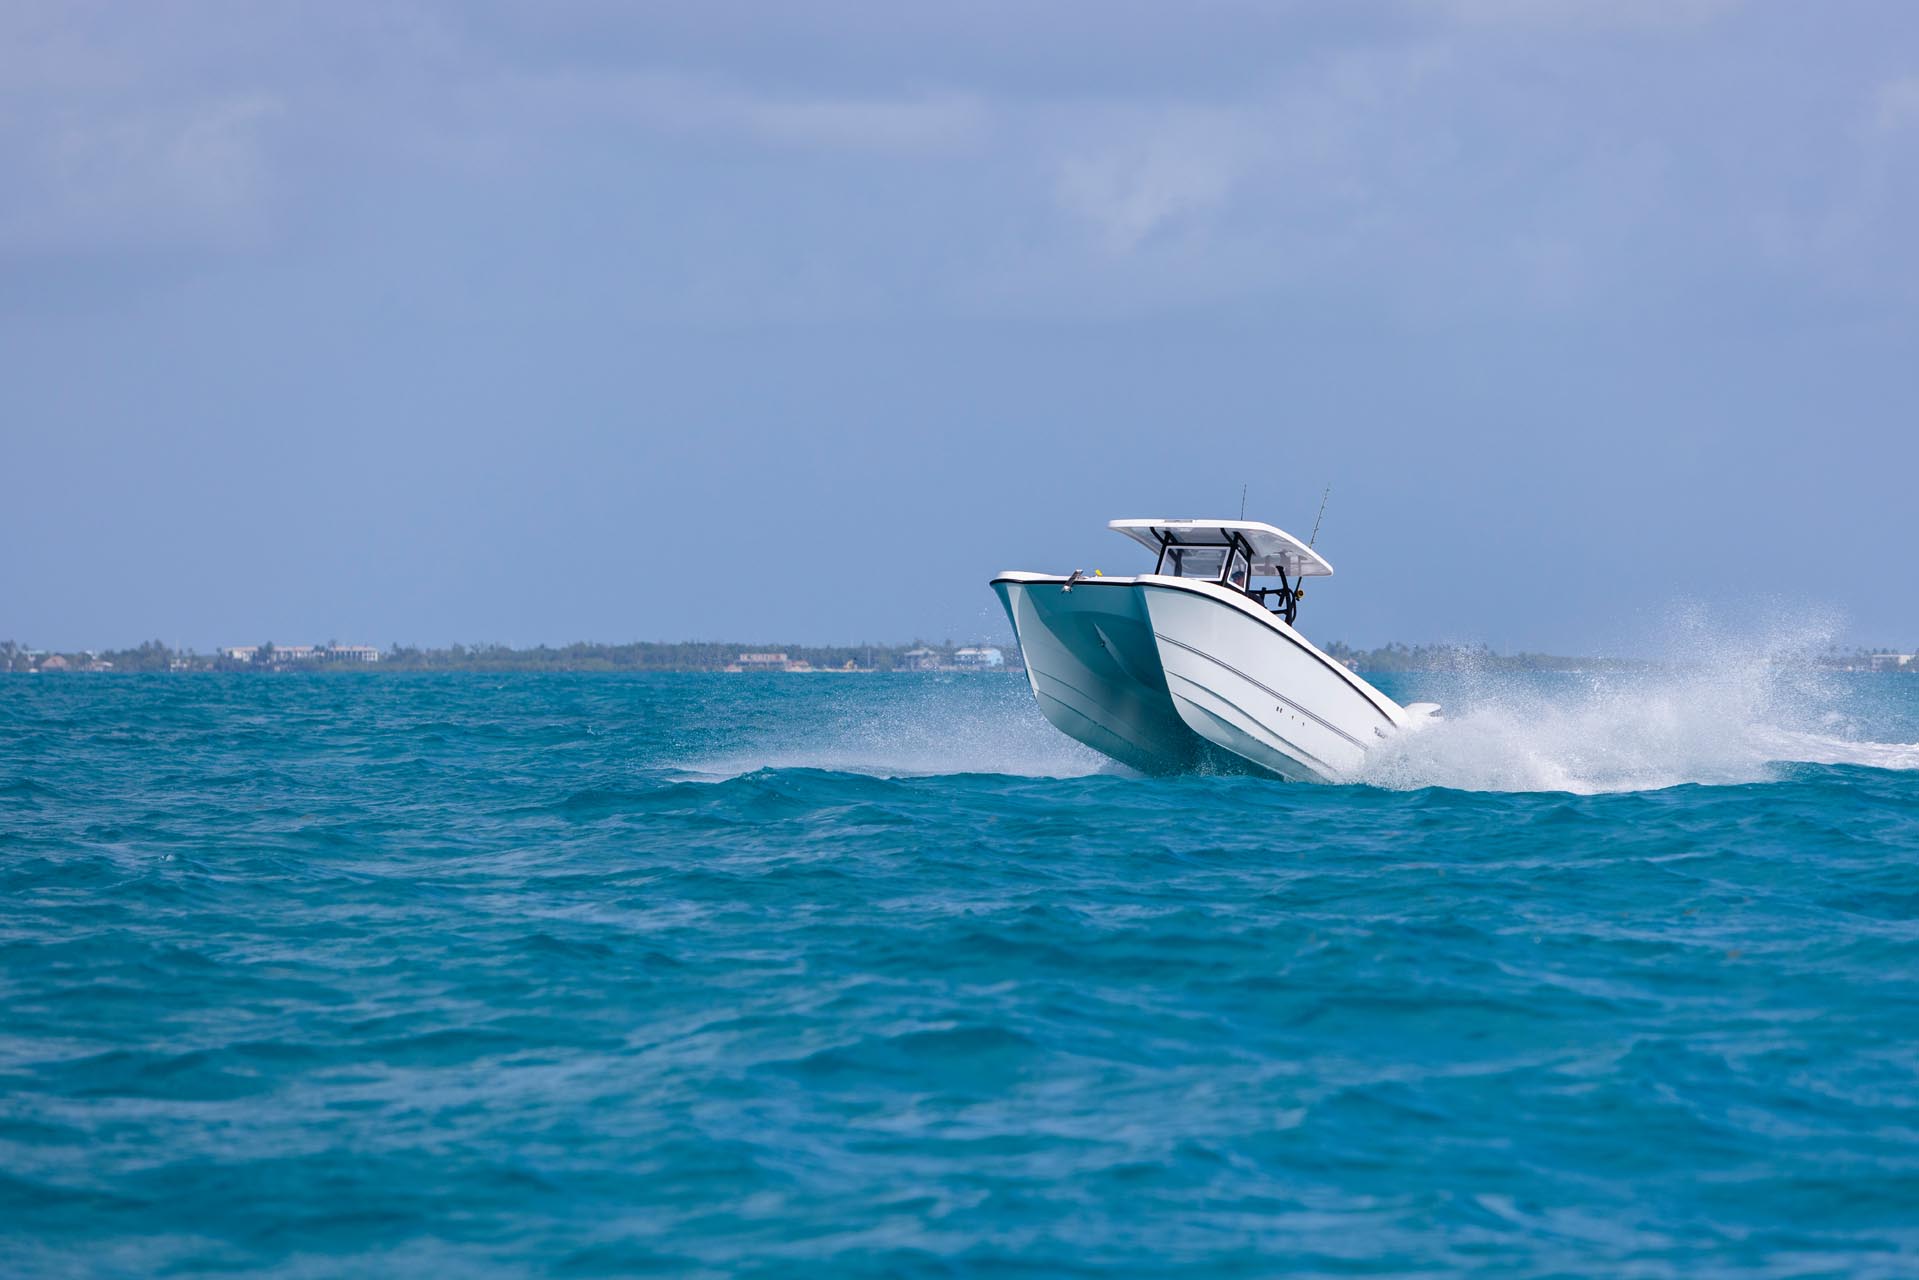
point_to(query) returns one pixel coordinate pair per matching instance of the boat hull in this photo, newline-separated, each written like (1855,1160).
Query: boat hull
(1247,682)
(1169,675)
(1094,669)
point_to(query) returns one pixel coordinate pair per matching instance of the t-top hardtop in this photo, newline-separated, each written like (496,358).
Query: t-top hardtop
(1273,552)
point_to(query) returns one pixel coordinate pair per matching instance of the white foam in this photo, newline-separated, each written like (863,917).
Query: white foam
(1719,711)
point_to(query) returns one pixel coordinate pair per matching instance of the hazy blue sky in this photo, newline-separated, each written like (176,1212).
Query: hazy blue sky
(430,322)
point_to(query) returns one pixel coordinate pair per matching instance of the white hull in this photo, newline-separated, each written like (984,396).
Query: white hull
(1170,674)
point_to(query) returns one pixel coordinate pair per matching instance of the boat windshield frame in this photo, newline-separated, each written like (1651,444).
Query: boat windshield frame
(1282,600)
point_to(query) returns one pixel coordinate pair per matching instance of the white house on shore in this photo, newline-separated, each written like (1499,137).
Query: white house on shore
(304,653)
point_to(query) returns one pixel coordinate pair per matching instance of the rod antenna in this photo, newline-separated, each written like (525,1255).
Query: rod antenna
(1242,502)
(1321,516)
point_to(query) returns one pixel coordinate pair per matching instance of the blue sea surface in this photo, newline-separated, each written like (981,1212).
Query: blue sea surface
(848,975)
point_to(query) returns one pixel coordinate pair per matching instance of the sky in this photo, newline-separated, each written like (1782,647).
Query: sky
(411,322)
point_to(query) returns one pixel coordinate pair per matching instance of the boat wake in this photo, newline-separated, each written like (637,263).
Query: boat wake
(1729,713)
(1606,741)
(932,731)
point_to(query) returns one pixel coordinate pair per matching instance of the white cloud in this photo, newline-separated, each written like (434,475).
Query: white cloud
(138,176)
(1319,149)
(115,137)
(673,103)
(1497,160)
(1898,105)
(1158,171)
(1582,13)
(909,124)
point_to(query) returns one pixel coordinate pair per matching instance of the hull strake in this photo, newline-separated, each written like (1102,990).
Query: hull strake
(1251,686)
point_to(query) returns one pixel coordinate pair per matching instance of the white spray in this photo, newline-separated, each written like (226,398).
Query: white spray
(1718,710)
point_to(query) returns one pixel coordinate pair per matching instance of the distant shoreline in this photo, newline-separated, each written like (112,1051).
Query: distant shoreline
(156,657)
(745,659)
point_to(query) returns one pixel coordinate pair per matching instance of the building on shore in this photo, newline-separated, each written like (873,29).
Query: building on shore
(921,659)
(970,658)
(275,654)
(350,653)
(1893,661)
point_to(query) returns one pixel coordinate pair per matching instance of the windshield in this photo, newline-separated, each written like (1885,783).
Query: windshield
(1194,562)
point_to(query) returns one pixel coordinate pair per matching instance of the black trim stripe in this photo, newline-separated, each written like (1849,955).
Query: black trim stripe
(1254,613)
(1266,689)
(1299,753)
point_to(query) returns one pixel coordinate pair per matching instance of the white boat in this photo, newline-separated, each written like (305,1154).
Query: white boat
(1194,667)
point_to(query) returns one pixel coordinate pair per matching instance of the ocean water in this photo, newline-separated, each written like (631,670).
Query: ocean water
(880,976)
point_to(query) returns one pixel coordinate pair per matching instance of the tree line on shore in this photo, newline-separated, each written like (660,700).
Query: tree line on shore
(1397,657)
(690,655)
(645,655)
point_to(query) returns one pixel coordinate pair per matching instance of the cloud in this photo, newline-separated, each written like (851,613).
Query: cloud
(1485,156)
(910,124)
(1324,146)
(1154,173)
(1897,104)
(140,176)
(671,103)
(1582,13)
(142,131)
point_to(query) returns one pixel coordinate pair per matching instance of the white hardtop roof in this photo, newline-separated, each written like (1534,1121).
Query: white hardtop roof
(1274,549)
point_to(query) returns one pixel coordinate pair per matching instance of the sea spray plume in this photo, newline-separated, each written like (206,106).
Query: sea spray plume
(1720,708)
(895,727)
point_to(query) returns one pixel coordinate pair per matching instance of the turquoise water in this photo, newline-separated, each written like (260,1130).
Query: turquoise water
(864,976)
